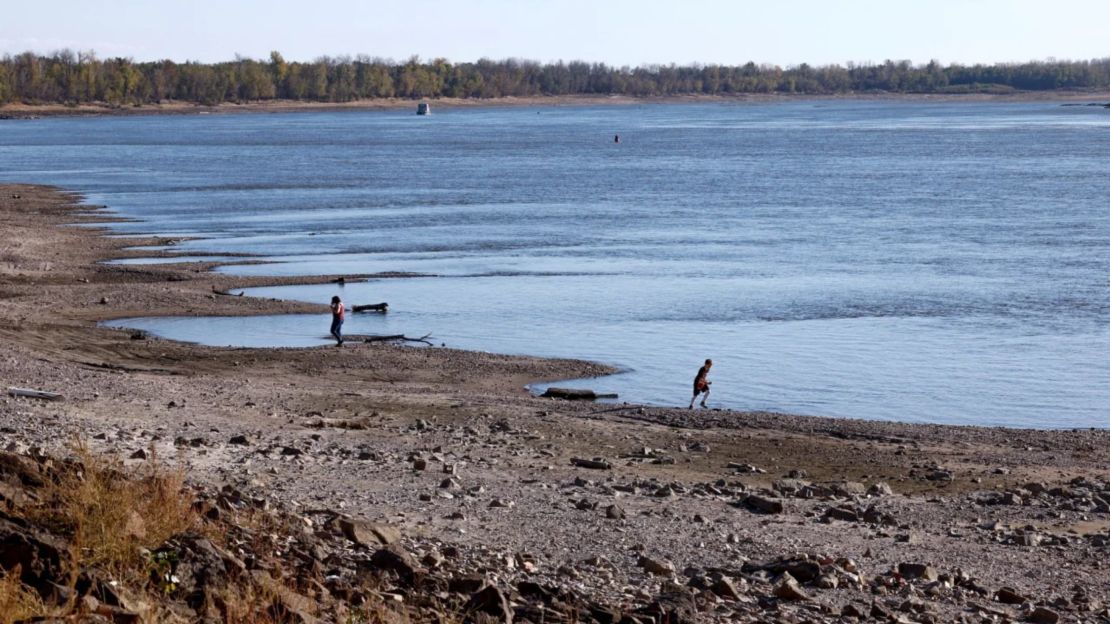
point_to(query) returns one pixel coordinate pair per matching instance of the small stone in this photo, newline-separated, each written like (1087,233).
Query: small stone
(614,512)
(501,503)
(419,464)
(139,454)
(240,440)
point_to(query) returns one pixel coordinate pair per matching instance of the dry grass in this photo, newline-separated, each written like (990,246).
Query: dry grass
(109,515)
(17,601)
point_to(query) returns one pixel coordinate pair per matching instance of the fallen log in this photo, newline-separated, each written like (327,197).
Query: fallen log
(576,394)
(35,394)
(387,338)
(372,307)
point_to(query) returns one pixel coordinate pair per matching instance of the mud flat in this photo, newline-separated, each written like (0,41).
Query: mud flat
(695,516)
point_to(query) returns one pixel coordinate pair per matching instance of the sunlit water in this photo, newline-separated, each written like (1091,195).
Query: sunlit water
(906,261)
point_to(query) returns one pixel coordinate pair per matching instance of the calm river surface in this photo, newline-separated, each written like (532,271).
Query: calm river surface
(914,261)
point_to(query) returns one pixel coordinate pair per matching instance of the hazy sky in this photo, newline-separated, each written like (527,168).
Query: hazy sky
(619,32)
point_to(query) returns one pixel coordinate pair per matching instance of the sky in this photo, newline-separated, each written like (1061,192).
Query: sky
(617,32)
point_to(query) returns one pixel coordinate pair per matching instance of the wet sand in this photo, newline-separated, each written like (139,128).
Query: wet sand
(499,478)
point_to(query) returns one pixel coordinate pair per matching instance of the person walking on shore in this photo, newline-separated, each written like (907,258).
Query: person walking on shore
(701,384)
(337,314)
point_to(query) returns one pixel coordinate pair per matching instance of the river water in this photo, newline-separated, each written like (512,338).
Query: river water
(912,261)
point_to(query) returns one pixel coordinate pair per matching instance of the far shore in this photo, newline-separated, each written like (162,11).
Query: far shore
(23,111)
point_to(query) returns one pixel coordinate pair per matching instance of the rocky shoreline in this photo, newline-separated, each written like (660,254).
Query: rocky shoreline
(491,503)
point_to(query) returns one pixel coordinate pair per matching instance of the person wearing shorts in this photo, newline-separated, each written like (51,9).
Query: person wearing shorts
(701,384)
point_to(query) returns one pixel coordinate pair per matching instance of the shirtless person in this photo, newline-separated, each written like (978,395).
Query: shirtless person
(701,384)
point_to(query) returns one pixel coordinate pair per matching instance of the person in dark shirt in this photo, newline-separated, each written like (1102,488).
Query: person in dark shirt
(701,384)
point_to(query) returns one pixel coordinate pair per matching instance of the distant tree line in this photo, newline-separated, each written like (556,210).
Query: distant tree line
(77,78)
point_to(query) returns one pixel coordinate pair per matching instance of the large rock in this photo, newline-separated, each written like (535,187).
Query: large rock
(594,464)
(1008,595)
(202,570)
(913,571)
(726,589)
(397,560)
(788,589)
(21,469)
(657,567)
(492,601)
(842,513)
(42,560)
(368,534)
(763,504)
(570,394)
(1042,615)
(798,567)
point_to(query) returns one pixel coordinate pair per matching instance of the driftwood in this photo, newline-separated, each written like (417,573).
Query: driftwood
(576,394)
(387,338)
(35,394)
(372,307)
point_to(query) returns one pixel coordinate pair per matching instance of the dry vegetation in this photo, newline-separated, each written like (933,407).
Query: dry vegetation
(97,539)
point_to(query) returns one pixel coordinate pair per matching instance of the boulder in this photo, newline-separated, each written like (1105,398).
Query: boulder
(726,589)
(368,534)
(914,571)
(763,504)
(657,567)
(1042,615)
(41,558)
(788,589)
(846,514)
(1009,595)
(395,559)
(491,601)
(594,464)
